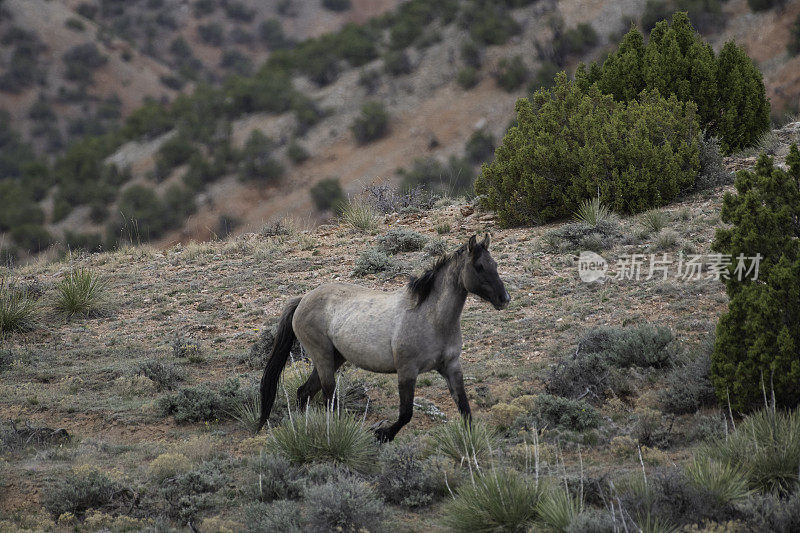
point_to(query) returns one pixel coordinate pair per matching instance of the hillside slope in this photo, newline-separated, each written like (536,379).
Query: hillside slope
(198,312)
(431,115)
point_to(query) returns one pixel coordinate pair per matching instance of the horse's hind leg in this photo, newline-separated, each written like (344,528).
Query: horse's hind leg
(312,385)
(326,360)
(308,389)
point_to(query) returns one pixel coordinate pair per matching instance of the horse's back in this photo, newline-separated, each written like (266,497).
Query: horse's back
(360,322)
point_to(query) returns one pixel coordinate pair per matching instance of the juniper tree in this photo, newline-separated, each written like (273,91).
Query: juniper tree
(678,62)
(572,142)
(744,108)
(757,346)
(728,90)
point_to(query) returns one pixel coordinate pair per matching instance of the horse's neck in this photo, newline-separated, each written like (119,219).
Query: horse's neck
(447,298)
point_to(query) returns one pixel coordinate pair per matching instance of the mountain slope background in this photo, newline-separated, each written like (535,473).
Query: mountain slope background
(154,50)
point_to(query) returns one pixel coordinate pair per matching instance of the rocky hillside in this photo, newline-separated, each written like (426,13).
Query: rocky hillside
(449,84)
(103,393)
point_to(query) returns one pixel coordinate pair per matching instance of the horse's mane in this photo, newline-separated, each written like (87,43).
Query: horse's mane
(420,287)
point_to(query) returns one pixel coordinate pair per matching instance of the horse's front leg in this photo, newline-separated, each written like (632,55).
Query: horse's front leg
(406,383)
(451,372)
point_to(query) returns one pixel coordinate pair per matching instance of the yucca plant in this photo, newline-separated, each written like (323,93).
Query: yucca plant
(557,508)
(496,500)
(81,292)
(359,215)
(650,523)
(765,446)
(324,435)
(726,483)
(654,221)
(464,443)
(17,308)
(293,376)
(592,212)
(248,411)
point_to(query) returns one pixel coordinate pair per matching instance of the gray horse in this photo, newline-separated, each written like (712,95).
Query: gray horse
(409,331)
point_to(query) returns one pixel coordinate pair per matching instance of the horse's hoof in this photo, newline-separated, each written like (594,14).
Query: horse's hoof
(383,435)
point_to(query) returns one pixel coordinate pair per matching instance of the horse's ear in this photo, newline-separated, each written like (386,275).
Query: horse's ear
(487,239)
(472,243)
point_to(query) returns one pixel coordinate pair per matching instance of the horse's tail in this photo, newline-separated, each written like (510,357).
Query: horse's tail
(284,339)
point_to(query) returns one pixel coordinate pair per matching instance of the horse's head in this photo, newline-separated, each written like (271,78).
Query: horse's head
(480,274)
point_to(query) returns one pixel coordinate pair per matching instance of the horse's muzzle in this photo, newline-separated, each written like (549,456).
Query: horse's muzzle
(503,303)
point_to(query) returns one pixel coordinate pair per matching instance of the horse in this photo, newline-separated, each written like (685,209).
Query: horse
(410,331)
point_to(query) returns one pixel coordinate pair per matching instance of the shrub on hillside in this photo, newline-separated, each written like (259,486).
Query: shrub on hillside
(79,491)
(282,516)
(22,71)
(557,411)
(373,261)
(396,63)
(336,5)
(688,386)
(769,512)
(763,5)
(480,146)
(712,168)
(471,53)
(174,152)
(587,375)
(271,33)
(408,479)
(668,497)
(296,153)
(256,161)
(467,77)
(328,194)
(33,238)
(759,335)
(356,44)
(543,170)
(573,41)
(794,41)
(345,503)
(654,12)
(143,214)
(165,375)
(372,124)
(198,404)
(511,73)
(595,368)
(238,11)
(579,236)
(201,172)
(212,33)
(451,179)
(189,493)
(744,108)
(488,22)
(401,240)
(273,478)
(235,61)
(81,62)
(728,89)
